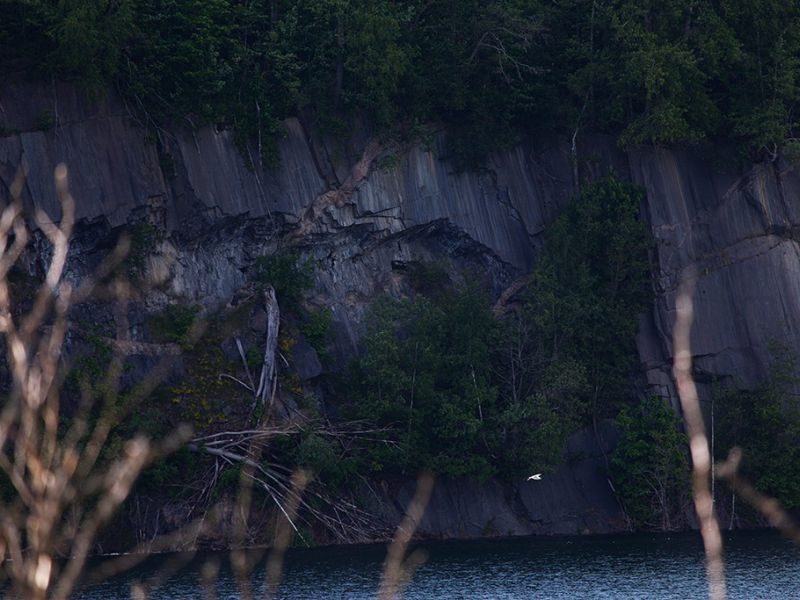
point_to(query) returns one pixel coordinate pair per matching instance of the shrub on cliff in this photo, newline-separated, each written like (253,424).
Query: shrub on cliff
(650,466)
(765,423)
(465,393)
(285,272)
(425,376)
(590,285)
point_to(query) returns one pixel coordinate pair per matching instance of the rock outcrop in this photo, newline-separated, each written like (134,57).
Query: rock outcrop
(362,208)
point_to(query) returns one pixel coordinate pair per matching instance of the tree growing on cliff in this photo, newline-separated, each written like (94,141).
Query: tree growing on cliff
(498,396)
(426,376)
(765,423)
(650,467)
(590,285)
(672,72)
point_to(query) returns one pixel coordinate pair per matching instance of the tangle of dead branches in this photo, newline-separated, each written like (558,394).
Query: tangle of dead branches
(59,488)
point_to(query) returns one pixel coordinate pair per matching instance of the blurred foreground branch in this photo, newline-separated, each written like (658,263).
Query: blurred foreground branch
(58,488)
(398,569)
(770,508)
(698,441)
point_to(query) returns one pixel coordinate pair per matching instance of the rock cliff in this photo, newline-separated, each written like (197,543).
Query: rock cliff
(364,208)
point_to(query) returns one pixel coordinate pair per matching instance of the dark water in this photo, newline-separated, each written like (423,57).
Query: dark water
(758,566)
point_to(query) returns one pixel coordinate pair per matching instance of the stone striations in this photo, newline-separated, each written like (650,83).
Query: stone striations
(736,231)
(363,209)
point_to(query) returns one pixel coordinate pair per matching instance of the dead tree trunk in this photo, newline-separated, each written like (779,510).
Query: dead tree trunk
(265,394)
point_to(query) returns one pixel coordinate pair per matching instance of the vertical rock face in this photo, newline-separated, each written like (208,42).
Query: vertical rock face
(736,231)
(361,210)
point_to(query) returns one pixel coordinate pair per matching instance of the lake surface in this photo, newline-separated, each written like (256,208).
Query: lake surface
(758,566)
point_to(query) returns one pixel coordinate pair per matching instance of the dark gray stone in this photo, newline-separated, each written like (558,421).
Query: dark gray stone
(306,360)
(736,227)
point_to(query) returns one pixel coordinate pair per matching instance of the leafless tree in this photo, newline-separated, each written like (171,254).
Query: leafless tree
(62,489)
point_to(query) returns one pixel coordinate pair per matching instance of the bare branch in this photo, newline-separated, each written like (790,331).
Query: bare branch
(396,569)
(698,442)
(768,507)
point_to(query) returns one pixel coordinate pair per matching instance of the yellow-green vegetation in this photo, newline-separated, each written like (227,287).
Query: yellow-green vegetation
(291,383)
(201,397)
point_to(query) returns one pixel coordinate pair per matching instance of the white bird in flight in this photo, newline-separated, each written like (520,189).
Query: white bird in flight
(537,477)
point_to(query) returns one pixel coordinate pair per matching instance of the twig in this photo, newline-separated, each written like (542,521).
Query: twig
(769,507)
(396,570)
(283,536)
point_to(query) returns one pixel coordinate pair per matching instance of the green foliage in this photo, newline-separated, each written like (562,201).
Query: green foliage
(203,398)
(650,467)
(568,355)
(321,456)
(426,377)
(765,423)
(45,121)
(674,71)
(169,474)
(589,287)
(284,272)
(531,430)
(348,55)
(434,383)
(70,38)
(317,330)
(174,324)
(310,448)
(764,84)
(661,83)
(502,396)
(142,239)
(91,368)
(88,36)
(179,56)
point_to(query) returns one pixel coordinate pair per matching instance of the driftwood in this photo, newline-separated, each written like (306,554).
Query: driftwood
(245,448)
(342,518)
